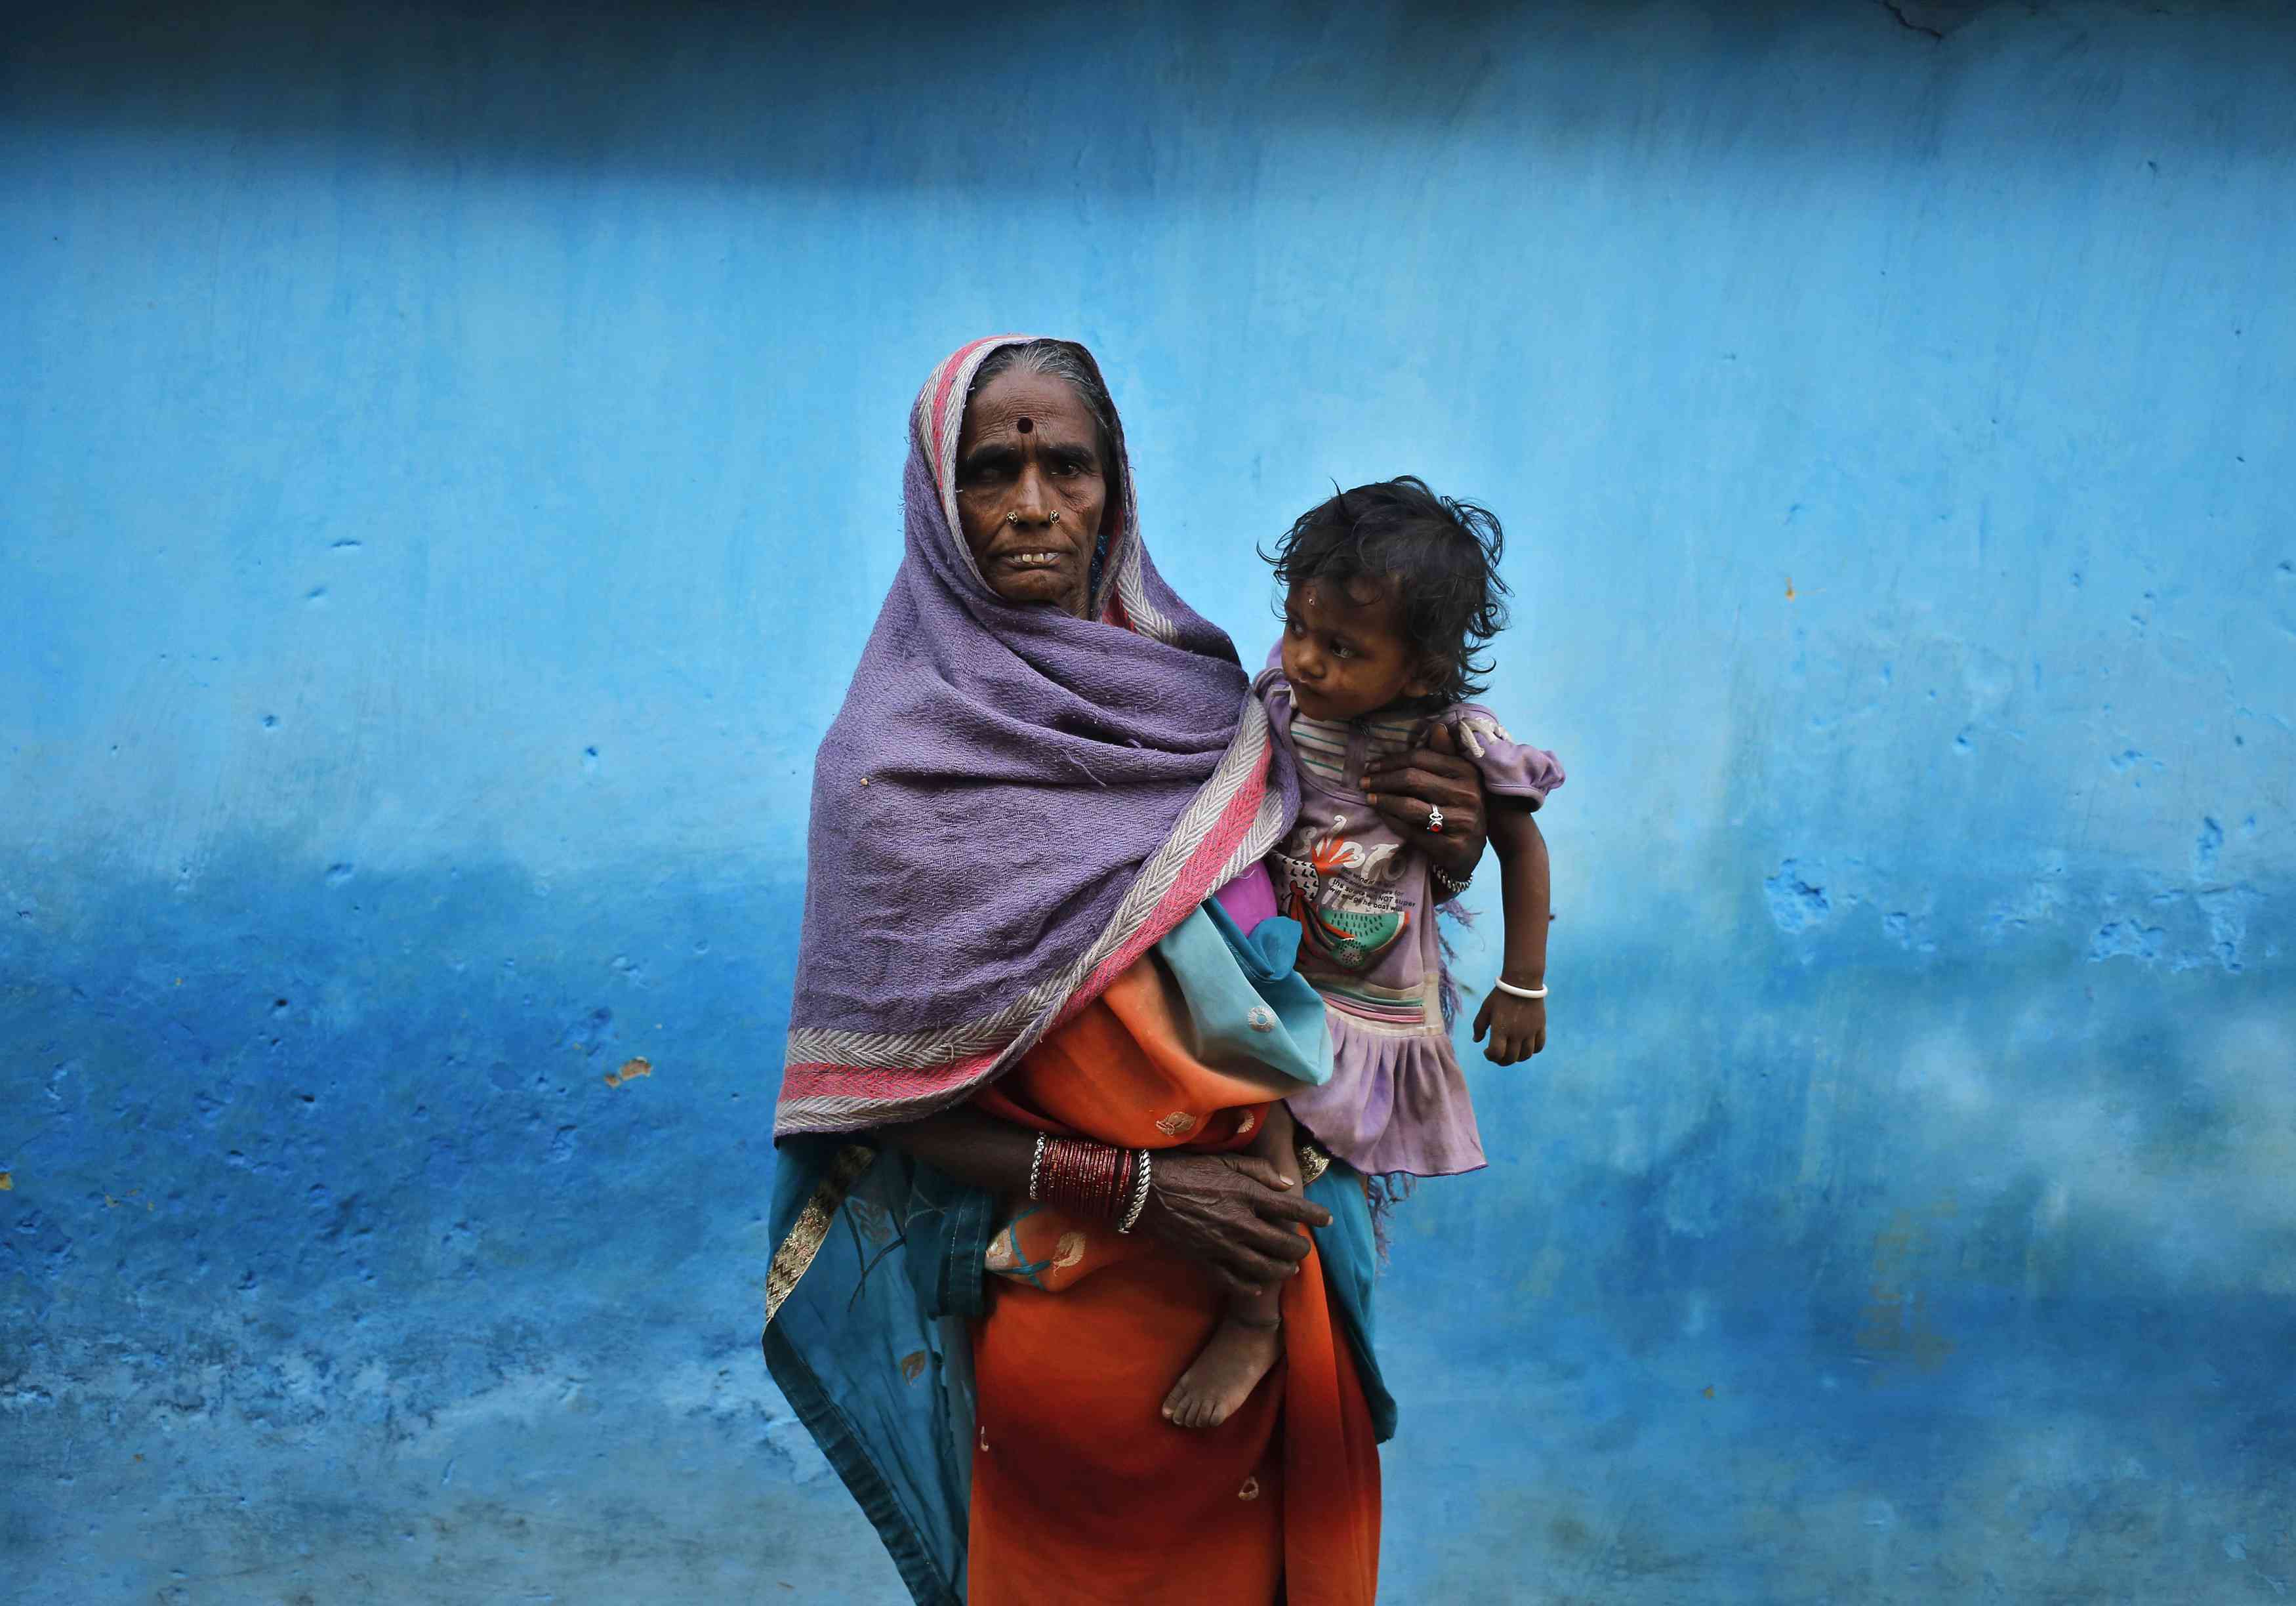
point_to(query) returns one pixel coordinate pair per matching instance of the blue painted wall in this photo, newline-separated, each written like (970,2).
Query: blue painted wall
(450,461)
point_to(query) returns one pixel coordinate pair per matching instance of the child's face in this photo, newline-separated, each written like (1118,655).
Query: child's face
(1345,655)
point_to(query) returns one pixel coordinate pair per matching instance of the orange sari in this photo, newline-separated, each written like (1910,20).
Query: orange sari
(1081,1491)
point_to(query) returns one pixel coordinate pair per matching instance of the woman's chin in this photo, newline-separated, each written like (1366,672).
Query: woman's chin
(1038,588)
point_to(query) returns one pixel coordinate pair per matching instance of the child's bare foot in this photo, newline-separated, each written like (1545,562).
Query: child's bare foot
(1223,1376)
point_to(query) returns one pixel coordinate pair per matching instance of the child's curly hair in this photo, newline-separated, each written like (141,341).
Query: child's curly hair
(1440,554)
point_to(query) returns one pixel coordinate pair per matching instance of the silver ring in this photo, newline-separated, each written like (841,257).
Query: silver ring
(1057,517)
(1435,819)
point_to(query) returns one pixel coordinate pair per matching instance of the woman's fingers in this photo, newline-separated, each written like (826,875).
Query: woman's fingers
(1291,1206)
(1269,1239)
(1440,751)
(1265,1251)
(1407,792)
(1282,1202)
(1223,1213)
(1416,787)
(1410,816)
(1255,1264)
(1262,1171)
(1235,1282)
(1431,770)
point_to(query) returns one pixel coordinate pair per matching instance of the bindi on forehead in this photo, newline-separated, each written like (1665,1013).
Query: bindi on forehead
(1024,423)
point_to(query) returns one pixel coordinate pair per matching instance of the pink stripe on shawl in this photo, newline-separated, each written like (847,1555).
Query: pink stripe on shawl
(1190,887)
(1193,885)
(949,371)
(892,1086)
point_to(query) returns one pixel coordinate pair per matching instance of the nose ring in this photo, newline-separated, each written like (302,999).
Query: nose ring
(1057,516)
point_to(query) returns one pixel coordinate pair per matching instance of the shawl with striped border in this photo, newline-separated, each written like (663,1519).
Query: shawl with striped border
(1013,806)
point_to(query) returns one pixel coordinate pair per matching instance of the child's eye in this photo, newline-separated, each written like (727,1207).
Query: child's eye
(1341,650)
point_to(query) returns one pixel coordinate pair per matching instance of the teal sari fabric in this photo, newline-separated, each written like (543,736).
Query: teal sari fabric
(873,1351)
(1350,1255)
(1247,1007)
(872,1344)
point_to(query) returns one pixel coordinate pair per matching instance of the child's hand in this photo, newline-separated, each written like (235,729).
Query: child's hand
(1517,1027)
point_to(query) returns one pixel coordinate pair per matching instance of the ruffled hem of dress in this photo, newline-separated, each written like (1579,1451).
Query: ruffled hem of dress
(1397,1101)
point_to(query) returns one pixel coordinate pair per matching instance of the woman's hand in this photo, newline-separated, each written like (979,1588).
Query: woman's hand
(1409,787)
(1229,1214)
(1517,1026)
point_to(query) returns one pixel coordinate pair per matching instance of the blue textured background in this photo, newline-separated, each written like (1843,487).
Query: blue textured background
(448,459)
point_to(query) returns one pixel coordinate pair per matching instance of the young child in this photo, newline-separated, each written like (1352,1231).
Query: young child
(1392,591)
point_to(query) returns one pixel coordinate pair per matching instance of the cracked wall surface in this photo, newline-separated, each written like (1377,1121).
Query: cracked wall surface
(451,460)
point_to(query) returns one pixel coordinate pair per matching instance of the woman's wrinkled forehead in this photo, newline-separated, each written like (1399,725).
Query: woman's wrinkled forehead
(942,404)
(938,420)
(1018,408)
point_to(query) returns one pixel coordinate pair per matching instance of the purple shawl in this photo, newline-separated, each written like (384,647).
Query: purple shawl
(1011,808)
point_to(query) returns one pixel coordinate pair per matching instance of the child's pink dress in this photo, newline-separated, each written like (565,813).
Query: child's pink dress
(1365,900)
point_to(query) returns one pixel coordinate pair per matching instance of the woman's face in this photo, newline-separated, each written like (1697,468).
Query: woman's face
(1031,489)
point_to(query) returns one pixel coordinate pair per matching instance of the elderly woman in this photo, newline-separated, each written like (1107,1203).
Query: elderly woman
(1042,1001)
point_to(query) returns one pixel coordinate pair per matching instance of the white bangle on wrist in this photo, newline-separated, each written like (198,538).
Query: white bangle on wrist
(1139,1193)
(1521,992)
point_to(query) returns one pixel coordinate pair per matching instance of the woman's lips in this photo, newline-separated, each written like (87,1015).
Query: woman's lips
(1029,558)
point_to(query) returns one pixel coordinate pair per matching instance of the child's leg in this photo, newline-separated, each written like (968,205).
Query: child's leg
(1250,1339)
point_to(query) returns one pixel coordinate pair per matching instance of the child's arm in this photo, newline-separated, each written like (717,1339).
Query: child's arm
(1518,1025)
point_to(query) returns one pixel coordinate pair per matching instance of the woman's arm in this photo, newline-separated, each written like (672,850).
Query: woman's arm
(1408,788)
(1518,1025)
(1236,1215)
(970,1146)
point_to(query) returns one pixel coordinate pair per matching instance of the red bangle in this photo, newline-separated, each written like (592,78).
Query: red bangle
(1092,1179)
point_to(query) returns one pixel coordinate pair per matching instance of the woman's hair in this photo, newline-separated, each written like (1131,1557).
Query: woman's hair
(1062,360)
(1441,556)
